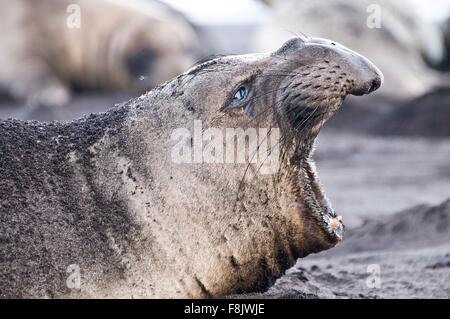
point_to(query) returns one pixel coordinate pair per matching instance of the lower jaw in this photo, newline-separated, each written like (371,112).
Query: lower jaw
(312,231)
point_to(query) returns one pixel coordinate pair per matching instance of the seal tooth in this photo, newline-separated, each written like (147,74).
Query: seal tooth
(335,222)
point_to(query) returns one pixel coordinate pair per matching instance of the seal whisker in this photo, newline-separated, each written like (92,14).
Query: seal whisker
(241,182)
(283,139)
(264,139)
(255,152)
(257,148)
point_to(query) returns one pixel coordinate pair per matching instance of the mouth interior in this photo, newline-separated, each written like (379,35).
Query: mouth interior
(311,192)
(320,206)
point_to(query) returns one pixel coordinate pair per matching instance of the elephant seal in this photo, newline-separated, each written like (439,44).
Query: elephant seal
(53,46)
(98,207)
(388,32)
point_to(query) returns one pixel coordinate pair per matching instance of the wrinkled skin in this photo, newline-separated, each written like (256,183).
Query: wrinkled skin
(104,194)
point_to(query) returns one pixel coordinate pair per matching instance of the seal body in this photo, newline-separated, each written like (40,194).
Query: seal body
(100,207)
(53,46)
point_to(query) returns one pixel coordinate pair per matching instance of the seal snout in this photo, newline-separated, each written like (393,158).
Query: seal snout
(368,78)
(330,60)
(367,86)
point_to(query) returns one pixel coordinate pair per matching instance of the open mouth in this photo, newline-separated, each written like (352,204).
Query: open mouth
(320,206)
(304,193)
(306,187)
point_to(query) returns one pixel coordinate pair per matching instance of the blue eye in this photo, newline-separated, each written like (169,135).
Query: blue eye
(240,94)
(239,98)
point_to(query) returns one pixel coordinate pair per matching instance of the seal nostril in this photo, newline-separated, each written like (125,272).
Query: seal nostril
(374,85)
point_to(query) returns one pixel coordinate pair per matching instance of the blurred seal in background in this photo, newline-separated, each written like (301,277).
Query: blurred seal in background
(444,64)
(50,47)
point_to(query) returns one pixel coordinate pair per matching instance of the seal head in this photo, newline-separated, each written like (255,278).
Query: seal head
(322,74)
(298,88)
(268,221)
